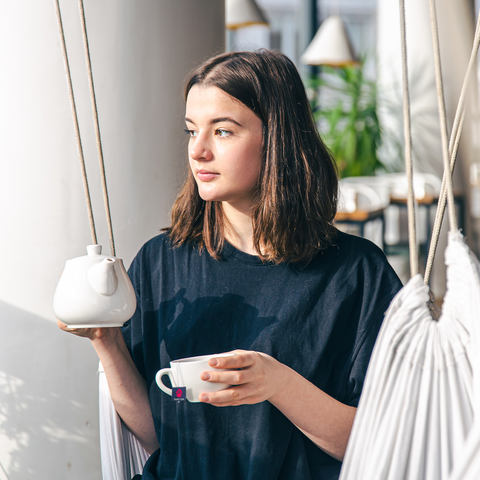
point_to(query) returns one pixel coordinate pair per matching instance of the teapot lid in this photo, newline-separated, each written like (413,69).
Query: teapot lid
(94,249)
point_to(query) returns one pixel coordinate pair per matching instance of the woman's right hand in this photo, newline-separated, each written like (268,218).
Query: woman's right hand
(103,334)
(128,388)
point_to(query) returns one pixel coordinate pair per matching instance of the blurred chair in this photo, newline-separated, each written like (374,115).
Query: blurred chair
(363,194)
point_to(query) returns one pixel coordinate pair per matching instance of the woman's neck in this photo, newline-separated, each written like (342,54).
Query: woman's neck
(238,228)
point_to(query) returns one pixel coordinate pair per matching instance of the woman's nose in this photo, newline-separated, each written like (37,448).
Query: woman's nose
(199,148)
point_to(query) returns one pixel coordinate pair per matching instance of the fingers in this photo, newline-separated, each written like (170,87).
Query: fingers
(79,332)
(238,368)
(246,375)
(254,376)
(240,395)
(61,325)
(241,368)
(240,359)
(66,328)
(231,377)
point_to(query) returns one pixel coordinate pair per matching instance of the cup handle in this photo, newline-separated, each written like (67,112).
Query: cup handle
(161,385)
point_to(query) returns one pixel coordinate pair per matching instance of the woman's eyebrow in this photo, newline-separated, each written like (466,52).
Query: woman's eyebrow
(225,119)
(216,120)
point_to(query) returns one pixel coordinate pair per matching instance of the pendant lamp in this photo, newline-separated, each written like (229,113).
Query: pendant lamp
(243,13)
(330,46)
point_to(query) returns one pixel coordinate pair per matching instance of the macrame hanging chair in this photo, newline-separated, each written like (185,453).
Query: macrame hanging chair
(122,455)
(468,465)
(422,386)
(418,401)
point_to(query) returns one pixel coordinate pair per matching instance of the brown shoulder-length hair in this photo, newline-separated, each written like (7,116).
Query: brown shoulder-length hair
(296,195)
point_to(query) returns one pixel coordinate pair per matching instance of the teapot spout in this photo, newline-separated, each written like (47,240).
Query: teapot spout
(102,277)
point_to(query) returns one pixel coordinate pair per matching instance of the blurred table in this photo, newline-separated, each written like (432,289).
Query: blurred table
(360,218)
(429,202)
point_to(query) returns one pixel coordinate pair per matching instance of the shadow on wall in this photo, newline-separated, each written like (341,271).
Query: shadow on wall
(48,419)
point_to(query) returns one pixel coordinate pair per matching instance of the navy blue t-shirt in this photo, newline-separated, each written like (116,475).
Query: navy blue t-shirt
(321,320)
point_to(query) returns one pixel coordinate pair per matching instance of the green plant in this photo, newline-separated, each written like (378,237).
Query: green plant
(344,105)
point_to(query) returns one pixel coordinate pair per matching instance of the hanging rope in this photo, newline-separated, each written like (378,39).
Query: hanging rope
(453,150)
(443,117)
(407,131)
(75,124)
(97,127)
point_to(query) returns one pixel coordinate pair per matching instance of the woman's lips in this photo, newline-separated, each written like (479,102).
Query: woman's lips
(206,176)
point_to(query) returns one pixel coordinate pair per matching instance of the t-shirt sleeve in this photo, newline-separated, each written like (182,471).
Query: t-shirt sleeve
(361,358)
(381,286)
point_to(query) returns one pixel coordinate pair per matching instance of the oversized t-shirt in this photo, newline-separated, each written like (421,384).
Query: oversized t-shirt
(320,319)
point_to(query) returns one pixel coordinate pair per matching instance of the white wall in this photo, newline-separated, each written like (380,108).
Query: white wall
(141,53)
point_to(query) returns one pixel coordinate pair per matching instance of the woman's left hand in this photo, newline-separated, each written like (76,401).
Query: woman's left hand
(254,377)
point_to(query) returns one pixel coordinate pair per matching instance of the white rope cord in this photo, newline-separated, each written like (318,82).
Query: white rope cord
(75,124)
(453,149)
(443,117)
(407,132)
(97,127)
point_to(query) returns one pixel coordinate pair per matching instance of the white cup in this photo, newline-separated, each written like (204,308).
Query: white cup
(186,373)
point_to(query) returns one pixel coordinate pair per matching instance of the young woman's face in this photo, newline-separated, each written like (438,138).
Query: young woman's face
(225,148)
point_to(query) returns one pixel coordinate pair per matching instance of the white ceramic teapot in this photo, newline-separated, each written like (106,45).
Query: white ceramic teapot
(94,291)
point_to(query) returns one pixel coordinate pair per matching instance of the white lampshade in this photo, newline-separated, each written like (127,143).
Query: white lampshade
(243,13)
(330,46)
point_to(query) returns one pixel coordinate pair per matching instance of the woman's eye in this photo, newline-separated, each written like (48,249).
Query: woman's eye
(223,133)
(191,133)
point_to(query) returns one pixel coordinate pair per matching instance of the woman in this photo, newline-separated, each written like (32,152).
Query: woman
(251,263)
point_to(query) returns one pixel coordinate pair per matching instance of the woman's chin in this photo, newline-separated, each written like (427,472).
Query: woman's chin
(209,196)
